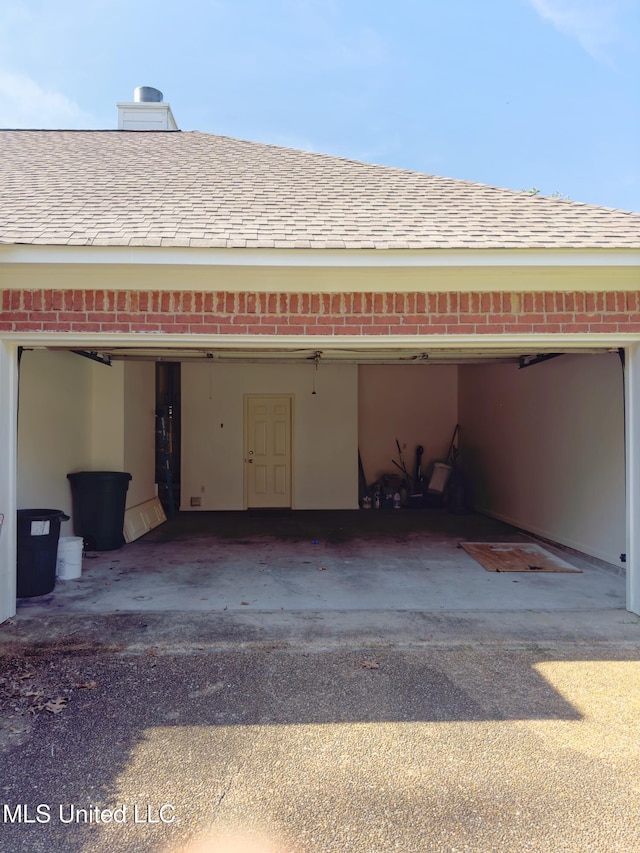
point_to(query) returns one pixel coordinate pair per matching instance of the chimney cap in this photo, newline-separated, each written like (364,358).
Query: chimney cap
(146,95)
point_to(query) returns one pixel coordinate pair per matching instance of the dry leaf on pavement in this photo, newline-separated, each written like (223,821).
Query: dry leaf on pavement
(54,706)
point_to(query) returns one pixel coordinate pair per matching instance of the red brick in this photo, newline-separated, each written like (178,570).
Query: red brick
(375,331)
(43,316)
(588,318)
(605,328)
(594,302)
(391,318)
(245,319)
(399,303)
(446,319)
(115,327)
(560,318)
(503,318)
(490,329)
(517,328)
(575,328)
(547,328)
(532,318)
(460,329)
(174,328)
(404,330)
(72,316)
(85,327)
(28,327)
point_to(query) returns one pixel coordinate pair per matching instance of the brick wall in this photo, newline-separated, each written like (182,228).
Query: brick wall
(193,312)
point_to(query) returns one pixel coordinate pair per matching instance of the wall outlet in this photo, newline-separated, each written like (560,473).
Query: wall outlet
(196,501)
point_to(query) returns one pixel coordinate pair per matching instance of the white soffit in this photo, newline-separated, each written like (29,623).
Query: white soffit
(193,256)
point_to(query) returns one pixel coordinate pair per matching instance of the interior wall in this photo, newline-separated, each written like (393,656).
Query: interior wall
(417,404)
(543,448)
(324,434)
(139,430)
(107,417)
(54,417)
(77,415)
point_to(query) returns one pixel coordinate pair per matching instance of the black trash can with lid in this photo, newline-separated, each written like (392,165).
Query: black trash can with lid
(99,499)
(38,535)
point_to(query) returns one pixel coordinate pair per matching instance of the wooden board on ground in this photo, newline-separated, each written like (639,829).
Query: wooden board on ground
(142,518)
(515,557)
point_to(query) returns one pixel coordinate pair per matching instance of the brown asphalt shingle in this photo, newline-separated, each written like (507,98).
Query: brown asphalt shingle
(136,188)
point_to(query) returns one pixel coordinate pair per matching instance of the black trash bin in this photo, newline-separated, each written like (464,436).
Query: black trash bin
(38,535)
(99,499)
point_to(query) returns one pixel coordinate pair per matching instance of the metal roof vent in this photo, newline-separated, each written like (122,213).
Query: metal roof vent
(147,112)
(147,95)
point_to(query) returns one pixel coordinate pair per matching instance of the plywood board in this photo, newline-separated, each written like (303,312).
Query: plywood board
(515,557)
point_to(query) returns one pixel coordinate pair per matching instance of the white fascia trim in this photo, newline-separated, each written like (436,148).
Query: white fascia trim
(94,341)
(173,256)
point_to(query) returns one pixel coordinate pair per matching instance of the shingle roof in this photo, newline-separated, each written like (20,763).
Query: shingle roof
(120,188)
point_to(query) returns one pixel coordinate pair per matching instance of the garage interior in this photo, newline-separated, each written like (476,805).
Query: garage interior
(541,449)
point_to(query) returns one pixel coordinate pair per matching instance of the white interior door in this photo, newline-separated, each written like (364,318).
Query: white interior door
(268,451)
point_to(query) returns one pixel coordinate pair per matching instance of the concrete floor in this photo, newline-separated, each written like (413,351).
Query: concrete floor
(407,560)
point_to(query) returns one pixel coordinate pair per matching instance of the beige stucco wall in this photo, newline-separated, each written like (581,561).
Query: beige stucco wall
(543,448)
(416,404)
(54,436)
(324,434)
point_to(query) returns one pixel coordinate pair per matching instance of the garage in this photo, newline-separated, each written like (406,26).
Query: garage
(369,303)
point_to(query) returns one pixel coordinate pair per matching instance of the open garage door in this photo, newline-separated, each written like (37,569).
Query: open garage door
(541,441)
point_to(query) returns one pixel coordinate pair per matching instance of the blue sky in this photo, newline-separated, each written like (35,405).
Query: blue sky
(514,93)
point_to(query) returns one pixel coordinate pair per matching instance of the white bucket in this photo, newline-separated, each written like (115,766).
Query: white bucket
(69,560)
(439,478)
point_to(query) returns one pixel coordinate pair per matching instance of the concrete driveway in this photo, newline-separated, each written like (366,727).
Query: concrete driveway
(305,730)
